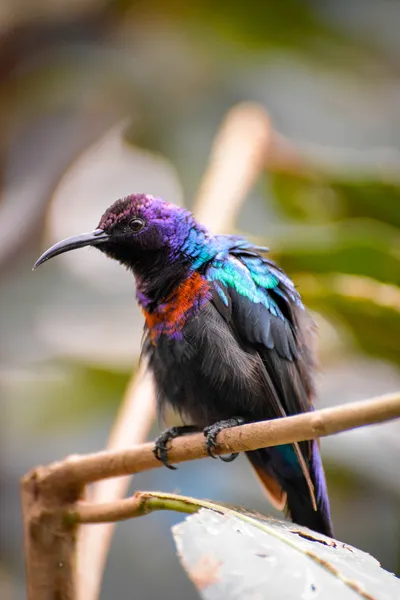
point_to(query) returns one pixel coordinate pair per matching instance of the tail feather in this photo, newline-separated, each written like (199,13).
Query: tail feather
(274,492)
(283,480)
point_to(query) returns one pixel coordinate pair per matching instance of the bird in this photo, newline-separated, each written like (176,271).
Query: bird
(226,337)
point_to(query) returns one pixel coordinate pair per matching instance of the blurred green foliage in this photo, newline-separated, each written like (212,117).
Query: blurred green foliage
(315,197)
(349,227)
(84,390)
(254,25)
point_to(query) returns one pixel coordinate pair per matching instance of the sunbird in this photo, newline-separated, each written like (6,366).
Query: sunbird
(226,337)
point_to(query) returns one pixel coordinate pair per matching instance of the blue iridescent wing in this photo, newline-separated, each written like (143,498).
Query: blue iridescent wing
(260,302)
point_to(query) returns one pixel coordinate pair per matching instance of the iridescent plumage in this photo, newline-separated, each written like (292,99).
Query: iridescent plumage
(226,335)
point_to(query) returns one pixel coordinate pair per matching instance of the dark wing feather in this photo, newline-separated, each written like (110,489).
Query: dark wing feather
(275,327)
(281,344)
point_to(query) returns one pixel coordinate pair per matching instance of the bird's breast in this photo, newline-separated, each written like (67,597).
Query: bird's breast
(206,375)
(170,317)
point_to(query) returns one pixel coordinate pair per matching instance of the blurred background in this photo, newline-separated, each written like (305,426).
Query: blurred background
(100,99)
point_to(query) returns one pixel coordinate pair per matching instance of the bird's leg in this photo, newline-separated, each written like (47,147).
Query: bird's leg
(212,431)
(160,449)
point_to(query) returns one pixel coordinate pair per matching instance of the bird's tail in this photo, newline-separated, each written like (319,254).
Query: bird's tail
(283,480)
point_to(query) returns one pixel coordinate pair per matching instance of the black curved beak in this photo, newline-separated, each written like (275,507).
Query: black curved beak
(98,236)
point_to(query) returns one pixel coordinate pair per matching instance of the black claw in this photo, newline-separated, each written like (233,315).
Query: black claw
(211,442)
(230,457)
(160,449)
(211,433)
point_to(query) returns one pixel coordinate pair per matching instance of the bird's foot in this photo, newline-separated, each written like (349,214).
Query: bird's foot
(212,431)
(160,449)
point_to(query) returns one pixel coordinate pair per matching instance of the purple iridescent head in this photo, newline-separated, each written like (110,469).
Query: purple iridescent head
(141,232)
(143,221)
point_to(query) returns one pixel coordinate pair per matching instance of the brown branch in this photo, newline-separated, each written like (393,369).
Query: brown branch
(77,471)
(49,542)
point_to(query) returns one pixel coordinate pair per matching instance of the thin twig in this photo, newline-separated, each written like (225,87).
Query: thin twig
(138,505)
(80,470)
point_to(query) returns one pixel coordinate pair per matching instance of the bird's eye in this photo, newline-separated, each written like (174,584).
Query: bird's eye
(136,224)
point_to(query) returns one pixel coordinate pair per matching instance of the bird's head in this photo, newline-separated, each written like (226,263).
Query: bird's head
(136,231)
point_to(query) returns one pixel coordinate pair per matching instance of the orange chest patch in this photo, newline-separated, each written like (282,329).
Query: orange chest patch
(170,317)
